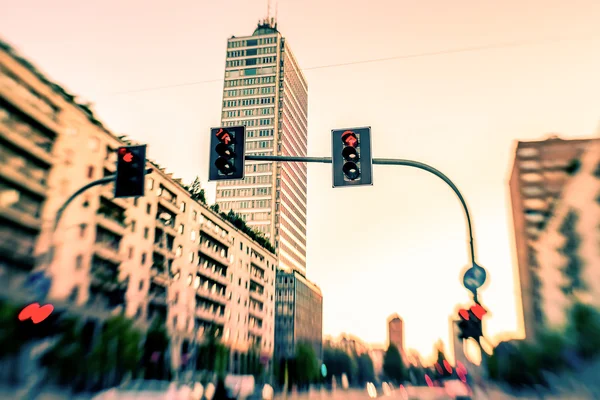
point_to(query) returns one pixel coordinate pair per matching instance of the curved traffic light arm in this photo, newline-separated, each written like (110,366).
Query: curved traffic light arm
(390,161)
(61,210)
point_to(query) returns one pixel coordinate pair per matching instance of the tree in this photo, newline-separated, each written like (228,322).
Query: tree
(393,366)
(584,329)
(306,368)
(571,271)
(196,190)
(155,351)
(338,362)
(212,354)
(441,357)
(215,208)
(366,371)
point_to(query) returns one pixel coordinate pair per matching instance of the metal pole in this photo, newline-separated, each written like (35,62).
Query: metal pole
(390,161)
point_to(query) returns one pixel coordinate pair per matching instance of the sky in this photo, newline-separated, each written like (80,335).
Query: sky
(400,245)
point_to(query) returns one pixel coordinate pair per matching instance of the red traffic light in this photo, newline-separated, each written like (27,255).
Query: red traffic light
(349,138)
(464,314)
(478,311)
(223,136)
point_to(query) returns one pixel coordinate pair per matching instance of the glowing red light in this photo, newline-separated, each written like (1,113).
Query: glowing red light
(128,157)
(447,366)
(478,310)
(349,138)
(439,368)
(461,376)
(464,314)
(429,381)
(460,367)
(223,136)
(122,150)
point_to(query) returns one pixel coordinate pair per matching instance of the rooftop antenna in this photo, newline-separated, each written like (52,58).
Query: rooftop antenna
(268,10)
(276,12)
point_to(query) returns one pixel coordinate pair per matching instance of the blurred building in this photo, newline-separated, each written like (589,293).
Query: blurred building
(568,251)
(298,315)
(266,91)
(539,173)
(349,343)
(377,355)
(162,256)
(396,333)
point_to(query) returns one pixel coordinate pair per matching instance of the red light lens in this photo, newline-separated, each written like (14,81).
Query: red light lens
(349,138)
(464,314)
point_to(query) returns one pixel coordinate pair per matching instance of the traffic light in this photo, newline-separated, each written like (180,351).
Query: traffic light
(227,153)
(352,159)
(470,324)
(131,171)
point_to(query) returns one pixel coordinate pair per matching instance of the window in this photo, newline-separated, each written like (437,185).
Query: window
(143,258)
(182,207)
(141,285)
(146,233)
(193,235)
(132,226)
(181,229)
(90,172)
(179,251)
(148,208)
(130,255)
(194,215)
(136,201)
(82,228)
(79,262)
(191,256)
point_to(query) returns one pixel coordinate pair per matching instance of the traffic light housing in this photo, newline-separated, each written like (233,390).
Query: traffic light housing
(470,324)
(227,150)
(352,159)
(131,171)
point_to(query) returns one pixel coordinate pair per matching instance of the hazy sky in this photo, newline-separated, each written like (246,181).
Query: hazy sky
(400,245)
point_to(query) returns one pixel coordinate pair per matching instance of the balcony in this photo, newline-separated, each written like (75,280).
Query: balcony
(111,216)
(26,137)
(157,295)
(17,248)
(218,296)
(167,199)
(22,172)
(168,224)
(208,315)
(108,251)
(210,231)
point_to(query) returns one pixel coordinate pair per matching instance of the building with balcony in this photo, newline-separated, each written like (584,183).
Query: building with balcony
(298,315)
(29,128)
(539,173)
(568,249)
(163,256)
(266,91)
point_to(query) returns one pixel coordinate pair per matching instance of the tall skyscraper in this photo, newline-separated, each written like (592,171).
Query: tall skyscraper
(266,92)
(538,176)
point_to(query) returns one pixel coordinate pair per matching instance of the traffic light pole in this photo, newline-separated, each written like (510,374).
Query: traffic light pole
(390,161)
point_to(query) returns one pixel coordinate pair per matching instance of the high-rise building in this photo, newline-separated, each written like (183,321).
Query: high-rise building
(298,314)
(567,249)
(163,256)
(396,333)
(538,175)
(266,92)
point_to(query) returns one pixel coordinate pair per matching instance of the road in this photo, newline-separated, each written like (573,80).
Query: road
(417,393)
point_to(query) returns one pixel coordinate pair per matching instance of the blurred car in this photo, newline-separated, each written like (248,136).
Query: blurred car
(371,390)
(146,389)
(458,390)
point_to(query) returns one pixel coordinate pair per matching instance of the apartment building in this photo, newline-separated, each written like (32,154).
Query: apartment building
(568,250)
(266,92)
(538,175)
(162,256)
(298,315)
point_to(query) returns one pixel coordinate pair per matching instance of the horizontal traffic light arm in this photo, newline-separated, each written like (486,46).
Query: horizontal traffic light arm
(388,161)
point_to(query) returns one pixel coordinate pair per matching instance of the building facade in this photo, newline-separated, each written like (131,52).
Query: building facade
(539,173)
(163,256)
(298,314)
(396,333)
(568,251)
(349,343)
(266,92)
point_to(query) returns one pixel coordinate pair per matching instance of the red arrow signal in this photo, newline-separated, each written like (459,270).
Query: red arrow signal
(128,157)
(223,136)
(464,314)
(478,310)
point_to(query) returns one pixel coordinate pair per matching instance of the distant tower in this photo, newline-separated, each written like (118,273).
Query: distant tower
(396,333)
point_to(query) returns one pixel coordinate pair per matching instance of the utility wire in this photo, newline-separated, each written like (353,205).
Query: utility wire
(376,60)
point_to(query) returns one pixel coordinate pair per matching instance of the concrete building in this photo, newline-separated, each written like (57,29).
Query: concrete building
(349,343)
(396,333)
(567,249)
(539,173)
(298,314)
(377,355)
(266,92)
(162,256)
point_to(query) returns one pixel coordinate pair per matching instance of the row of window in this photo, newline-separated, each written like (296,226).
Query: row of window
(249,180)
(252,52)
(237,205)
(251,42)
(264,191)
(253,112)
(251,61)
(250,81)
(250,72)
(259,133)
(249,102)
(250,122)
(249,91)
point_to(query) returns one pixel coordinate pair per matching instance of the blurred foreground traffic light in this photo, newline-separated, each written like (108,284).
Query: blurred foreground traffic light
(131,171)
(352,159)
(227,153)
(470,324)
